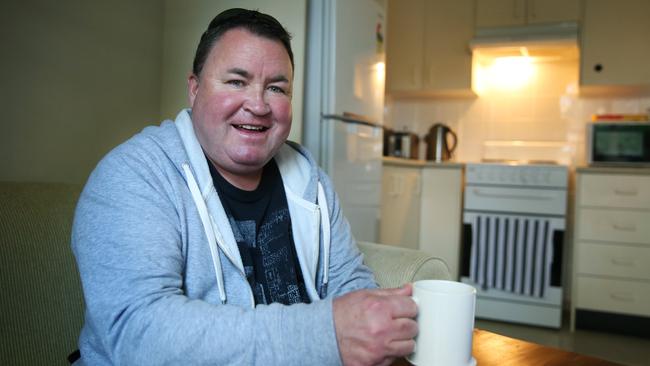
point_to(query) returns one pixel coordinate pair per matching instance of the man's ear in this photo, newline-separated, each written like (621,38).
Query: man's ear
(192,88)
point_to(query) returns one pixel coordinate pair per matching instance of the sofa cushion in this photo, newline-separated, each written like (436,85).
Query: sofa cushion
(41,302)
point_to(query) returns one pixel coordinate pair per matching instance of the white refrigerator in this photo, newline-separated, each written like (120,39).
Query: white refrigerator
(344,103)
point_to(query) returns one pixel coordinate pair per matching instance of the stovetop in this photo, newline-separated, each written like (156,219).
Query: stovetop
(541,174)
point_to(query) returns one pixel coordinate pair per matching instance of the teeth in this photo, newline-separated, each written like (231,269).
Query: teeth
(251,128)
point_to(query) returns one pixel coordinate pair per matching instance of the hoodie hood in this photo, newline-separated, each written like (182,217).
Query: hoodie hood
(302,181)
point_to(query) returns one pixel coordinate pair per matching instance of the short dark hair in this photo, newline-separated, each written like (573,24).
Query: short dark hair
(252,20)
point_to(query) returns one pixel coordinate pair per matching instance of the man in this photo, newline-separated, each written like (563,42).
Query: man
(212,240)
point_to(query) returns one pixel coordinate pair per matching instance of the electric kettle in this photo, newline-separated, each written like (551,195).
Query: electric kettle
(438,146)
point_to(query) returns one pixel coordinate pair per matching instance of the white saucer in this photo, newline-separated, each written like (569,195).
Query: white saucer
(472,362)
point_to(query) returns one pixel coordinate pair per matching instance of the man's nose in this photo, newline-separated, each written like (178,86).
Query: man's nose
(256,101)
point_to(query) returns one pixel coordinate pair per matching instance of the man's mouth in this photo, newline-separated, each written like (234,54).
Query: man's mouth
(251,128)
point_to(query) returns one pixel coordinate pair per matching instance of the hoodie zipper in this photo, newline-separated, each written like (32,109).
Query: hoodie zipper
(220,244)
(215,241)
(208,229)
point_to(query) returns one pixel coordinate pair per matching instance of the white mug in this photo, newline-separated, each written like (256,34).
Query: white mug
(446,323)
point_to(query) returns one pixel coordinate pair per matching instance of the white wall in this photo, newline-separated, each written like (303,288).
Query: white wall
(78,77)
(185,21)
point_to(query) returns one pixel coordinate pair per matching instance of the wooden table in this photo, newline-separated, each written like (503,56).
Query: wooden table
(491,349)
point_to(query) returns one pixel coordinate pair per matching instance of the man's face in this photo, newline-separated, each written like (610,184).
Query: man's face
(241,102)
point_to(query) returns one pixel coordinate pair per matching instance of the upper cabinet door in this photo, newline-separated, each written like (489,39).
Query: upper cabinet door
(616,43)
(404,45)
(447,57)
(495,13)
(498,13)
(550,11)
(427,51)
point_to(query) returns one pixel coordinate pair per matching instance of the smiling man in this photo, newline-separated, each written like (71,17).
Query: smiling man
(210,239)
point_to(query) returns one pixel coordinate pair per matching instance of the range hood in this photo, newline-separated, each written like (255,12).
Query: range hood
(542,40)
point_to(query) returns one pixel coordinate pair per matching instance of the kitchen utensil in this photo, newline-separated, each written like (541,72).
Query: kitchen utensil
(438,146)
(403,144)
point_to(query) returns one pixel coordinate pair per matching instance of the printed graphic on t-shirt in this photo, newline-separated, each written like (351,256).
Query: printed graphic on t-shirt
(268,260)
(261,223)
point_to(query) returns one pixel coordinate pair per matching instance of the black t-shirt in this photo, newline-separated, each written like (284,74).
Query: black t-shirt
(262,227)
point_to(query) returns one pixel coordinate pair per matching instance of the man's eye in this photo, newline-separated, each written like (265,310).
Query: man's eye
(276,89)
(235,82)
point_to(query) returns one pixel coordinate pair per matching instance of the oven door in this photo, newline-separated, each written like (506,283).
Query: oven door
(520,254)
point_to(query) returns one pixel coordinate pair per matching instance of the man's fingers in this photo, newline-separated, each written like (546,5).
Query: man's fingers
(406,290)
(401,348)
(402,306)
(404,329)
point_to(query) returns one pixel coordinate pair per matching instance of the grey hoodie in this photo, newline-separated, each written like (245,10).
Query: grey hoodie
(162,277)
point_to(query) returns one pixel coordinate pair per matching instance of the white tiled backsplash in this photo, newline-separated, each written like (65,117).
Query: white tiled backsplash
(546,115)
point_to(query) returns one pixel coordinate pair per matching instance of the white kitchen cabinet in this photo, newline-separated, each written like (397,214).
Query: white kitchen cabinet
(404,45)
(400,205)
(615,45)
(441,213)
(611,254)
(421,208)
(427,50)
(497,13)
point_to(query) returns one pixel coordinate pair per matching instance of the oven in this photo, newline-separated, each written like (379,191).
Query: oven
(514,219)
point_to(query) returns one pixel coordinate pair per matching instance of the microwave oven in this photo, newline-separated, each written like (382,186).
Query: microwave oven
(619,143)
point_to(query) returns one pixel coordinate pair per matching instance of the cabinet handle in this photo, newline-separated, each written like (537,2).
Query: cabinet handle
(625,192)
(623,262)
(624,227)
(622,297)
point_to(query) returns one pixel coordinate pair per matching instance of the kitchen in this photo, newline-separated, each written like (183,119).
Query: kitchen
(518,82)
(544,119)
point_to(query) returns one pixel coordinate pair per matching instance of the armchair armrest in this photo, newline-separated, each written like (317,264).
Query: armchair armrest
(395,266)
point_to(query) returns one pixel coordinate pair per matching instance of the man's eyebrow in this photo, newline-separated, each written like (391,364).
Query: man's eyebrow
(247,75)
(241,72)
(278,79)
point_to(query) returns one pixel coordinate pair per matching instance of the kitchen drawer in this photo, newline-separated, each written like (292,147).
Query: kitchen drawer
(621,226)
(618,296)
(614,260)
(624,191)
(518,200)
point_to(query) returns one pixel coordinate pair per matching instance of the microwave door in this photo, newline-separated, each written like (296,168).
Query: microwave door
(619,143)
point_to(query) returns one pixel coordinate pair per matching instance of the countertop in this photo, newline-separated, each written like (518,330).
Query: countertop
(614,170)
(393,161)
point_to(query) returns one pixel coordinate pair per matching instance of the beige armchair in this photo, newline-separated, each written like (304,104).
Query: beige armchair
(42,303)
(395,266)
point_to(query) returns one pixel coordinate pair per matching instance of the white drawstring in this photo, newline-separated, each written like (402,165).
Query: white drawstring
(208,228)
(325,224)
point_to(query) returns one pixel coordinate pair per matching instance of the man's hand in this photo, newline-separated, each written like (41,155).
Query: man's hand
(374,327)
